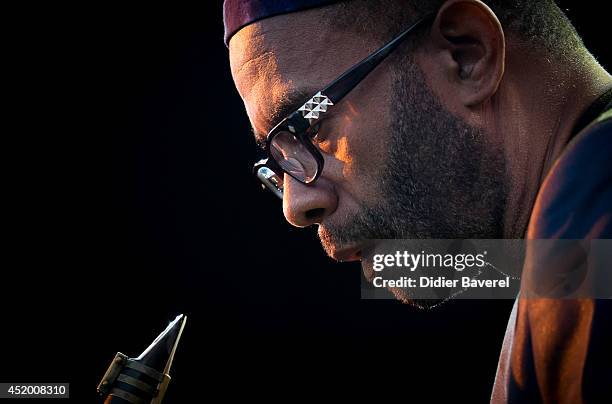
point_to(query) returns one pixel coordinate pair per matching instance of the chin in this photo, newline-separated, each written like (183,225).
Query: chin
(422,304)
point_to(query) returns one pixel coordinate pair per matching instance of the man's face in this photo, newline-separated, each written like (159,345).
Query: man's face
(397,164)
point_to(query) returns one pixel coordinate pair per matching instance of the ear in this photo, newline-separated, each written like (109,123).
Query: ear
(469,48)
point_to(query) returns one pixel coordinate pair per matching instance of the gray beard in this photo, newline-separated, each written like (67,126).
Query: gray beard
(441,178)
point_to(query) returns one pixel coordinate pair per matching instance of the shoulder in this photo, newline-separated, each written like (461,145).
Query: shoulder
(575,200)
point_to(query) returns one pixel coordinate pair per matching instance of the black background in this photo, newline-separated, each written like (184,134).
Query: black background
(128,199)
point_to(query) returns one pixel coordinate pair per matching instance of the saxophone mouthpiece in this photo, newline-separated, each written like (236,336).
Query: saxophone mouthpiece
(143,380)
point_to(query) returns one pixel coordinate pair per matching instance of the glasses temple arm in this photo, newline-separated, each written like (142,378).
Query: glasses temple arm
(345,83)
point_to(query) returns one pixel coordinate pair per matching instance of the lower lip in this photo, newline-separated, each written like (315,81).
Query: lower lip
(356,256)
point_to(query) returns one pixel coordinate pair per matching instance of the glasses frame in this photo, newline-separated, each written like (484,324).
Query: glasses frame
(300,123)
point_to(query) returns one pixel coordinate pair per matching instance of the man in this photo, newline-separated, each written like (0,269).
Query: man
(488,121)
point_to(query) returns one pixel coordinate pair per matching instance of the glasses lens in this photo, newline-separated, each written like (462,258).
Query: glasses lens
(293,157)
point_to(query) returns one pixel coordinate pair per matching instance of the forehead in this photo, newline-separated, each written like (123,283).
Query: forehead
(276,58)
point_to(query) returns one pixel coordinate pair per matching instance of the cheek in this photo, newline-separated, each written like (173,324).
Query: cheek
(361,150)
(346,155)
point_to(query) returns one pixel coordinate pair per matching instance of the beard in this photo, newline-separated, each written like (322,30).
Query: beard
(441,178)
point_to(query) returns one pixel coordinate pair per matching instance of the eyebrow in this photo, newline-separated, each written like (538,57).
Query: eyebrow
(290,103)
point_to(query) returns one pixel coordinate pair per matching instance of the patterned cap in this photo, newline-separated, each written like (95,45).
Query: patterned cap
(240,13)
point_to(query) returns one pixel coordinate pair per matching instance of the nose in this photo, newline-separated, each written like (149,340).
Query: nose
(304,205)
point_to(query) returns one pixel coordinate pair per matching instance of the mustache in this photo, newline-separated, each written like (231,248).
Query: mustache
(357,227)
(369,223)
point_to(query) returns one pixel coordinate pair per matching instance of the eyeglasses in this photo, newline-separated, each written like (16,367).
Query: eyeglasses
(289,144)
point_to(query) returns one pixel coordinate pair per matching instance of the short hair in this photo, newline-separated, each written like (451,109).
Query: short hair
(539,23)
